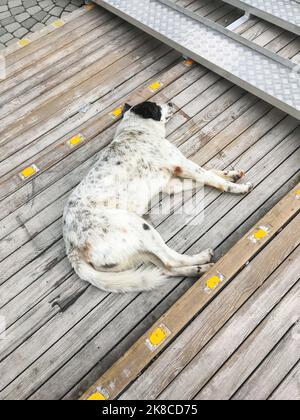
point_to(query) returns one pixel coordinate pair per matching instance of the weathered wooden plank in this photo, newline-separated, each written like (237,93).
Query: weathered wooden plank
(32,272)
(247,24)
(256,30)
(206,9)
(183,387)
(219,13)
(97,304)
(46,44)
(109,64)
(289,390)
(257,346)
(41,94)
(33,294)
(282,43)
(192,302)
(160,59)
(271,34)
(12,147)
(291,50)
(86,34)
(65,291)
(261,384)
(62,115)
(190,138)
(70,59)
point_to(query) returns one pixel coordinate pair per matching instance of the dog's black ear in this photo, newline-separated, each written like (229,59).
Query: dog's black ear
(126,108)
(148,110)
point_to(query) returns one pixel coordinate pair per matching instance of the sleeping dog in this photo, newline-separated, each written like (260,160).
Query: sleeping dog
(107,239)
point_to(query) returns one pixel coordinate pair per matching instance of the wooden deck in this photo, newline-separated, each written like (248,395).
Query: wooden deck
(57,110)
(254,271)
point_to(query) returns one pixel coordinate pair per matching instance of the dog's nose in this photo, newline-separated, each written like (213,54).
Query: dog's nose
(171,105)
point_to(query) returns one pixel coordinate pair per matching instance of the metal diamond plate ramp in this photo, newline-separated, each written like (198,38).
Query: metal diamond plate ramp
(284,13)
(269,79)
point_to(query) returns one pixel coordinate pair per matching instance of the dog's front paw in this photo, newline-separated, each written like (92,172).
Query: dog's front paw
(249,186)
(209,254)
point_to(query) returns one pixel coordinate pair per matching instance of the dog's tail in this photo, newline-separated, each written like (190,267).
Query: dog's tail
(140,280)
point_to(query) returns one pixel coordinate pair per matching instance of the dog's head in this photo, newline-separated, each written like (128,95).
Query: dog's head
(150,110)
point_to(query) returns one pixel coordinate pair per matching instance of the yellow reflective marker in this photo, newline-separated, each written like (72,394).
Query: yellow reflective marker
(89,6)
(157,337)
(100,394)
(213,282)
(260,233)
(97,396)
(155,86)
(74,141)
(29,172)
(118,112)
(23,42)
(58,23)
(189,62)
(298,194)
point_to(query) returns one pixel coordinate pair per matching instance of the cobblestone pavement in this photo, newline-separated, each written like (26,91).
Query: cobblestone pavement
(19,17)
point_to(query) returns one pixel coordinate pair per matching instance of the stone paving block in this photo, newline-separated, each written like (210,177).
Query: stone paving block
(18,17)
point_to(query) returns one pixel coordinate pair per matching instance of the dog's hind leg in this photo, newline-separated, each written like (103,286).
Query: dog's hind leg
(113,262)
(189,271)
(185,271)
(170,259)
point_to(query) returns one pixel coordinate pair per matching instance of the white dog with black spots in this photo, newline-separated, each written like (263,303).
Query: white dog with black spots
(107,239)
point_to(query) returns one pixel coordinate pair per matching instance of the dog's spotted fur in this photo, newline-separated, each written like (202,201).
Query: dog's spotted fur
(106,236)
